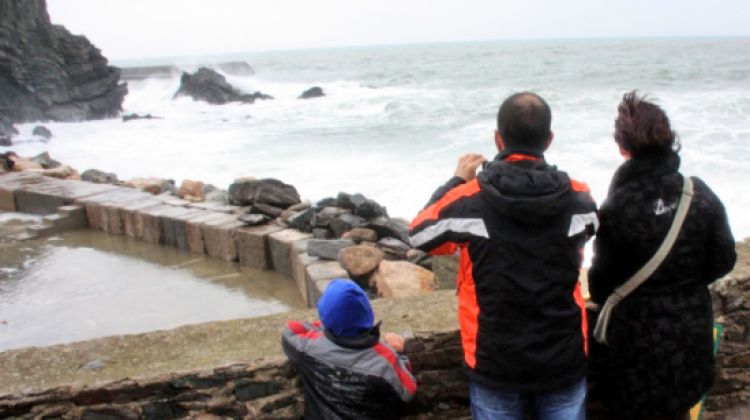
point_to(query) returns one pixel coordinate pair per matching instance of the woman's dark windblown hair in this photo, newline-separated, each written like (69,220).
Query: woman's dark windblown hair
(642,128)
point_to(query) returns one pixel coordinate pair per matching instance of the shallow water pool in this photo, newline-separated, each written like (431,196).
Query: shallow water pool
(85,284)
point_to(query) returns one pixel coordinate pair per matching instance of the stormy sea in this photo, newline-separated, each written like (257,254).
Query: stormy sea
(396,118)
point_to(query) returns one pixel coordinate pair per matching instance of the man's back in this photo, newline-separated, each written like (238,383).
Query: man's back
(520,225)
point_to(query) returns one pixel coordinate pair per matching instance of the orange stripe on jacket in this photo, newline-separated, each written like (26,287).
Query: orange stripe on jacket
(578,296)
(433,212)
(518,157)
(578,186)
(468,309)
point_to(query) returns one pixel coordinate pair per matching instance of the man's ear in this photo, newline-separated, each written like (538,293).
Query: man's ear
(549,141)
(499,142)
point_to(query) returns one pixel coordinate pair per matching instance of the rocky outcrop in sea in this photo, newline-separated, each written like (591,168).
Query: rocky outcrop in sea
(47,73)
(212,87)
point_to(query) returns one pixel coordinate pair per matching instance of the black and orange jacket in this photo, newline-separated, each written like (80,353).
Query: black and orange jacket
(520,227)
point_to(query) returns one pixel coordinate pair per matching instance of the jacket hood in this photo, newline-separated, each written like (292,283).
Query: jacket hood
(528,191)
(344,309)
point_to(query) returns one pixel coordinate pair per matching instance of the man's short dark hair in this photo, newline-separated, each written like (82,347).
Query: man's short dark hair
(524,121)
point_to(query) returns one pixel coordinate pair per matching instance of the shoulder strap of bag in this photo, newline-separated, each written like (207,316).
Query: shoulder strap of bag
(600,331)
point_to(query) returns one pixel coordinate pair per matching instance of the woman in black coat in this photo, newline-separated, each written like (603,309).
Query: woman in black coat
(659,361)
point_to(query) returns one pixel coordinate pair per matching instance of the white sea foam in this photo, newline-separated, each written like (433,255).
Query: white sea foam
(395,120)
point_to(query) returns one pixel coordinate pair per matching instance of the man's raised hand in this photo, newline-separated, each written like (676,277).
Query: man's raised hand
(467,166)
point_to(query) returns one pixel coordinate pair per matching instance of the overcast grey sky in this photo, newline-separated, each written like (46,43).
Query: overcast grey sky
(153,28)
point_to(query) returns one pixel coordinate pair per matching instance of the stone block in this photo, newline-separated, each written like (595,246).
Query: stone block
(219,235)
(173,226)
(112,212)
(96,211)
(194,231)
(128,215)
(252,248)
(280,248)
(299,266)
(7,199)
(38,203)
(328,248)
(148,223)
(11,182)
(317,277)
(45,196)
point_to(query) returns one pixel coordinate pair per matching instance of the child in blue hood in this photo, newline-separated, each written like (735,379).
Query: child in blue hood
(346,372)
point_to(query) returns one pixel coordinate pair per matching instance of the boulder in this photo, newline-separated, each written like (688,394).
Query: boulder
(23,164)
(47,73)
(46,161)
(304,220)
(302,205)
(211,193)
(328,214)
(346,222)
(254,219)
(361,235)
(42,131)
(327,202)
(151,185)
(99,177)
(267,191)
(130,117)
(62,172)
(350,201)
(313,92)
(390,228)
(321,233)
(360,260)
(267,209)
(402,279)
(191,190)
(6,161)
(393,248)
(210,86)
(361,205)
(370,209)
(327,249)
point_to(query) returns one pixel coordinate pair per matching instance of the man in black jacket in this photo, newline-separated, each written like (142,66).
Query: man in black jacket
(520,226)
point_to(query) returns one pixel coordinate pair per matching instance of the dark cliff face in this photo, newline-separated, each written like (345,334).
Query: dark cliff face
(47,73)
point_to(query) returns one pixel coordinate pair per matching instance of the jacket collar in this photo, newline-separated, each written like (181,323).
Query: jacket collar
(362,341)
(516,155)
(645,167)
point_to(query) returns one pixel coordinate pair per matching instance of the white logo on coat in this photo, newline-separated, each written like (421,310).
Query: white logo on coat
(660,208)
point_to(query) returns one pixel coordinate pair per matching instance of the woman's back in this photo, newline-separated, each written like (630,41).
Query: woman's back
(659,359)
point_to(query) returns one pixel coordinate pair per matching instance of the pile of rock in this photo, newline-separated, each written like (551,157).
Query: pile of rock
(42,163)
(210,86)
(352,229)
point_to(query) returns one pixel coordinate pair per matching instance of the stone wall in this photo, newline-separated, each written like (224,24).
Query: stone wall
(266,389)
(730,396)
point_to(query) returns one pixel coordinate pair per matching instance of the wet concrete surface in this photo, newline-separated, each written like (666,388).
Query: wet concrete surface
(85,284)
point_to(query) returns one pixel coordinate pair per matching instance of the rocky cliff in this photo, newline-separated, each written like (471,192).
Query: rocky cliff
(47,73)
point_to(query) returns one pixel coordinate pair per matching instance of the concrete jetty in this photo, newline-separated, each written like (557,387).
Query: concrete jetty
(234,68)
(211,229)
